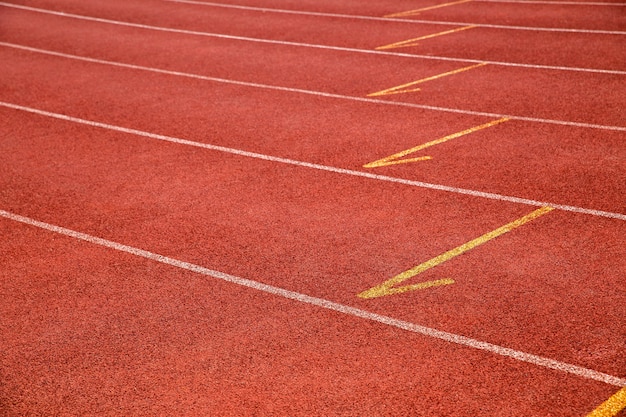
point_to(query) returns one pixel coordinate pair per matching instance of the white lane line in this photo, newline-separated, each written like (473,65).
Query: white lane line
(392,19)
(554,3)
(319,93)
(309,45)
(343,171)
(329,305)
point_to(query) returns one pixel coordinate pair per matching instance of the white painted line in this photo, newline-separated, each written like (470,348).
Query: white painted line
(319,93)
(393,19)
(555,3)
(309,45)
(439,187)
(329,305)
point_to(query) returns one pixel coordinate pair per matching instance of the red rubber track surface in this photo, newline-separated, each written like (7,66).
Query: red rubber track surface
(88,330)
(97,334)
(336,71)
(579,172)
(518,14)
(593,50)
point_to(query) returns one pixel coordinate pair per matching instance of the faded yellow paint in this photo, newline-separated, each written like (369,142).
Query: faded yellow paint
(417,11)
(389,287)
(612,406)
(400,89)
(395,158)
(414,41)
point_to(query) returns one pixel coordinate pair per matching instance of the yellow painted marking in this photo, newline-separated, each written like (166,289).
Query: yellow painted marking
(417,11)
(395,158)
(414,41)
(400,89)
(389,287)
(612,406)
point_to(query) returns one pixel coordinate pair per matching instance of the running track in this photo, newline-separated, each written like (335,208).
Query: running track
(333,208)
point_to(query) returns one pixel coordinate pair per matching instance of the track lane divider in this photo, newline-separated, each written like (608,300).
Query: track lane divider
(318,93)
(307,45)
(555,2)
(540,361)
(343,171)
(415,21)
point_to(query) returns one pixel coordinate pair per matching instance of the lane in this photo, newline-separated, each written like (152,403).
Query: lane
(331,237)
(541,92)
(525,14)
(320,167)
(400,17)
(513,158)
(95,332)
(584,50)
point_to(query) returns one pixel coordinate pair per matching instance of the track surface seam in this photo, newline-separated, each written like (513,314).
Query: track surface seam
(439,187)
(309,45)
(330,305)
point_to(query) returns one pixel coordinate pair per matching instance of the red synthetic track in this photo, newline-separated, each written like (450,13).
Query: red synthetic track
(90,330)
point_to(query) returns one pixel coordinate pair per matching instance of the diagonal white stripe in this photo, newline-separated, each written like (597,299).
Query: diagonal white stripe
(329,305)
(439,187)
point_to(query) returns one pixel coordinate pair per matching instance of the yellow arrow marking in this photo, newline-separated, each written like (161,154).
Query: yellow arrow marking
(389,287)
(401,88)
(395,158)
(612,406)
(417,11)
(414,41)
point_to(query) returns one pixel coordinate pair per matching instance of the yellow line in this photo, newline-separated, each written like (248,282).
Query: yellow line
(399,89)
(413,42)
(388,287)
(390,160)
(612,406)
(394,159)
(417,11)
